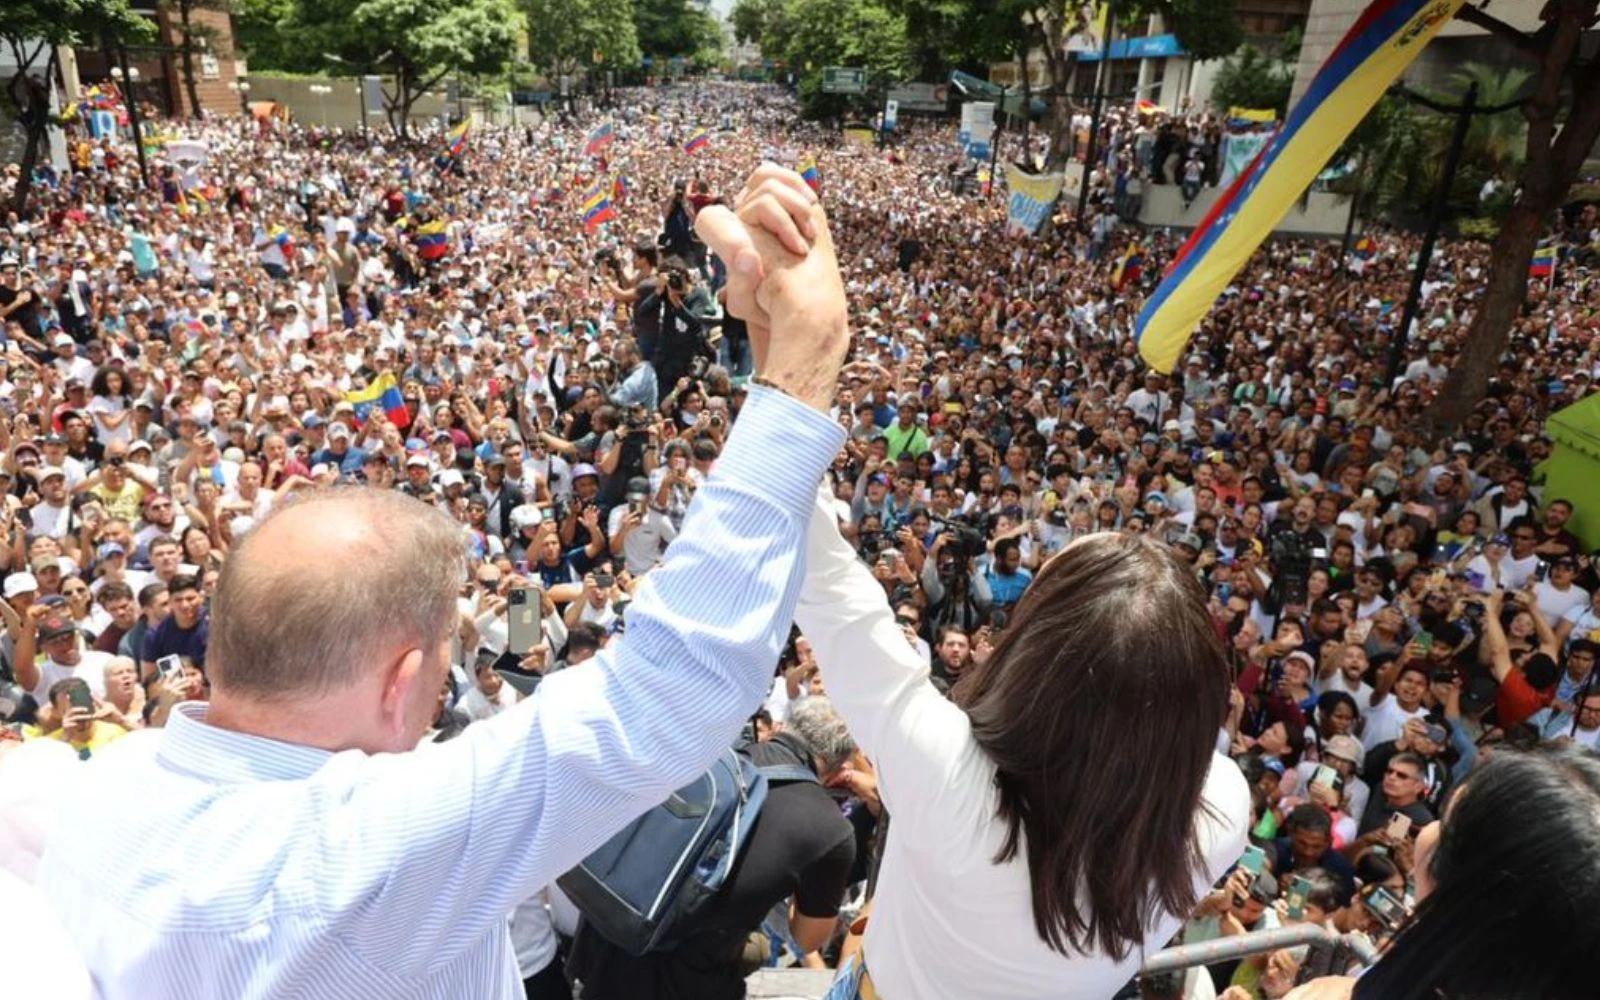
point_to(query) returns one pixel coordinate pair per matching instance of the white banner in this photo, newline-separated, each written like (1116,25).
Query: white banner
(1032,196)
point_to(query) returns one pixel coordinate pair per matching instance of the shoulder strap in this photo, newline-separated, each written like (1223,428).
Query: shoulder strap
(788,772)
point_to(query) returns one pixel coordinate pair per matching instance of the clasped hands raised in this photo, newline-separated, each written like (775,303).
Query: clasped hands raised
(783,281)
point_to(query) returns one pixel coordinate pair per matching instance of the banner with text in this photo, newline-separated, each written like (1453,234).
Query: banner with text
(1032,196)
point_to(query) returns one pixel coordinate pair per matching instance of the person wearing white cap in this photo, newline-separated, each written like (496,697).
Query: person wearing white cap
(52,515)
(68,363)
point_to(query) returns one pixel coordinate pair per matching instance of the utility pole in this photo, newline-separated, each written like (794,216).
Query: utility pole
(1101,73)
(1441,199)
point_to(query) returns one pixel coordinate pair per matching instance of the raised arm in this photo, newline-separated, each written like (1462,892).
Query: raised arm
(518,800)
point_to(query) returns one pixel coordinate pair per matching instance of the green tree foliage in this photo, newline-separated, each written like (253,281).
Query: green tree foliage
(686,28)
(31,31)
(806,35)
(267,35)
(416,43)
(1251,79)
(564,35)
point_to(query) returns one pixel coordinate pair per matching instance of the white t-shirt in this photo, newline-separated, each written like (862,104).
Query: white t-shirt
(1554,604)
(110,407)
(479,706)
(1385,721)
(91,666)
(1585,623)
(56,522)
(1361,692)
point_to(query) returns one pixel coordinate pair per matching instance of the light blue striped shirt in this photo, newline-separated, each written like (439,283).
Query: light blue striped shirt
(199,862)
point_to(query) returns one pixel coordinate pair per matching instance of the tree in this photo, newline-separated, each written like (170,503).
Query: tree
(265,31)
(33,32)
(417,42)
(668,28)
(811,34)
(1250,79)
(566,34)
(1563,121)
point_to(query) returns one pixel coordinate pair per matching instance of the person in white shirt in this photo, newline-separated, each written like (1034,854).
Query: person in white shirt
(1342,669)
(639,533)
(489,695)
(1000,798)
(65,655)
(1557,594)
(1396,699)
(52,515)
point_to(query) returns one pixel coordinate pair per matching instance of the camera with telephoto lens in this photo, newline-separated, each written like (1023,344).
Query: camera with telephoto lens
(606,257)
(967,541)
(1292,555)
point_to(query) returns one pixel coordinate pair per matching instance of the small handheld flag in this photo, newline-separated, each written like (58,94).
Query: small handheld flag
(384,394)
(1365,249)
(597,208)
(620,189)
(432,239)
(809,173)
(698,139)
(1128,268)
(1543,264)
(455,140)
(599,139)
(280,236)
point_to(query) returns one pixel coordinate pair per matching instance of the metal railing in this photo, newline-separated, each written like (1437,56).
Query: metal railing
(1226,949)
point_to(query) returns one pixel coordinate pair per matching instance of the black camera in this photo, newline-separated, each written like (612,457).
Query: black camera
(637,418)
(968,540)
(678,281)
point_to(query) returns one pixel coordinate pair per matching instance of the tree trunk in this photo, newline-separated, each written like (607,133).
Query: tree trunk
(1553,160)
(30,158)
(189,86)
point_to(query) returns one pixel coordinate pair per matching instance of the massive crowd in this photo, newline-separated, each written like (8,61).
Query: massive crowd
(181,358)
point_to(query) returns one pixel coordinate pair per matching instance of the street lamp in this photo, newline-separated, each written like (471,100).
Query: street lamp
(322,91)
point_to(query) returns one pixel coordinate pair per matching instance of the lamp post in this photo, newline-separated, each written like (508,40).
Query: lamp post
(322,91)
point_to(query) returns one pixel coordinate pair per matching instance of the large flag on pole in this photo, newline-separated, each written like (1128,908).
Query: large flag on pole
(1376,49)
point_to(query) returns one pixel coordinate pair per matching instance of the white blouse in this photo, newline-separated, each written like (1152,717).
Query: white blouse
(948,921)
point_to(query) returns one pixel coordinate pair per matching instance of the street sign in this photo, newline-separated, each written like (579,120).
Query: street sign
(844,80)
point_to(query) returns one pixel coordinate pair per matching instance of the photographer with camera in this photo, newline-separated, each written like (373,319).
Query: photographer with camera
(688,312)
(637,386)
(677,237)
(958,594)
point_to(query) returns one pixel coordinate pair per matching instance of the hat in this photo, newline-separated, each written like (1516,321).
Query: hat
(1157,496)
(1171,425)
(579,471)
(55,627)
(313,421)
(138,445)
(47,471)
(1461,448)
(1274,765)
(1345,748)
(19,583)
(450,477)
(1304,656)
(62,339)
(442,435)
(494,458)
(420,461)
(339,430)
(1189,540)
(525,516)
(109,549)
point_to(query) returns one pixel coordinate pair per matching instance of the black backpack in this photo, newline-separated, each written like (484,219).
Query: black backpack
(642,889)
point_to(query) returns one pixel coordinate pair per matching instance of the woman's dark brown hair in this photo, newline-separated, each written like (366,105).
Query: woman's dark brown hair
(1100,708)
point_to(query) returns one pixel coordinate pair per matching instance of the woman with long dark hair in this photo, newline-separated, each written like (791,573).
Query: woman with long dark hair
(1057,819)
(1505,909)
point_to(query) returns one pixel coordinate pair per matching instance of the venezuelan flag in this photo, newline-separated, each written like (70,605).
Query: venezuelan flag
(280,236)
(1387,36)
(697,140)
(985,180)
(810,174)
(455,140)
(383,393)
(432,239)
(620,189)
(599,139)
(1543,264)
(596,208)
(1365,248)
(1128,268)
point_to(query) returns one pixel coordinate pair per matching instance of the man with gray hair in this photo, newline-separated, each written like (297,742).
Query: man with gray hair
(800,849)
(279,841)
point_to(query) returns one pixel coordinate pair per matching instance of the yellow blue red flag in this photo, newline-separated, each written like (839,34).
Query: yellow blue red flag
(1543,264)
(810,174)
(597,207)
(1376,49)
(698,140)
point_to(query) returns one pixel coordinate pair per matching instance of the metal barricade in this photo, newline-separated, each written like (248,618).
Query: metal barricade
(1226,949)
